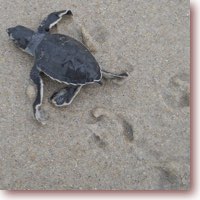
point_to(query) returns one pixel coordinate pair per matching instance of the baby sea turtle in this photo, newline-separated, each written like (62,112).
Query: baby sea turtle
(61,58)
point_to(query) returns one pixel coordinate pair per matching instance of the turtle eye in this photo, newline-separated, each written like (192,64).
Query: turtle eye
(22,43)
(8,31)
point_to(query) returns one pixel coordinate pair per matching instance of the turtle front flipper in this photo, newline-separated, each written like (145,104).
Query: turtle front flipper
(37,80)
(65,96)
(52,19)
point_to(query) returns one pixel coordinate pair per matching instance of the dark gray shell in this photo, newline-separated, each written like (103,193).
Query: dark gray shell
(67,60)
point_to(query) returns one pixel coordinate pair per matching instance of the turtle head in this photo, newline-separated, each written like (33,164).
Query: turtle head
(20,35)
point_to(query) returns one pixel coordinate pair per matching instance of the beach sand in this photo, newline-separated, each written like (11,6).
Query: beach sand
(132,135)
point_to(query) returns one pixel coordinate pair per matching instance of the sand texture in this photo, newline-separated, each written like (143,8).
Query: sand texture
(130,135)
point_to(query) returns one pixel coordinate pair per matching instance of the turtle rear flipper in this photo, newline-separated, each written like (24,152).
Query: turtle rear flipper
(52,19)
(110,75)
(65,96)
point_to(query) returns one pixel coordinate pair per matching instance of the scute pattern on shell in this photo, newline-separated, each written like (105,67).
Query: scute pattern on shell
(67,60)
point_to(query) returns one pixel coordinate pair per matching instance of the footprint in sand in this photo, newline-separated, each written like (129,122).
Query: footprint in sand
(126,128)
(177,92)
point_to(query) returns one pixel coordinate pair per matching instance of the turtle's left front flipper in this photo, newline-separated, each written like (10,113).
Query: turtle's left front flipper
(52,19)
(37,80)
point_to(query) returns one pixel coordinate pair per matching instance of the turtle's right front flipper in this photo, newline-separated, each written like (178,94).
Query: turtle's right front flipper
(52,19)
(37,80)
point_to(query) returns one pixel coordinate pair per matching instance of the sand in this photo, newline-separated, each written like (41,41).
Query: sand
(119,136)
